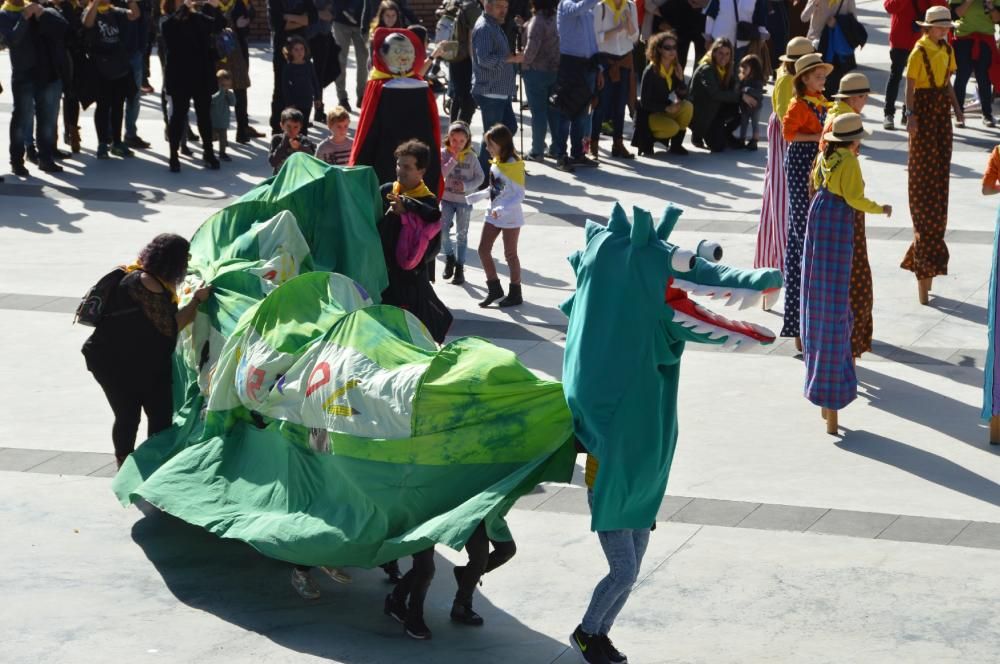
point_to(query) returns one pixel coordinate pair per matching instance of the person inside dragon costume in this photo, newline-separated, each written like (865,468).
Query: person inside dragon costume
(624,405)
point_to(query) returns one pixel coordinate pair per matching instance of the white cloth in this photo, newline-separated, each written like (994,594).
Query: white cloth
(724,25)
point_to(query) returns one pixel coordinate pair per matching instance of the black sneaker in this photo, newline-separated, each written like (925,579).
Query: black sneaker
(614,655)
(19,170)
(346,104)
(463,614)
(417,629)
(50,167)
(589,646)
(563,164)
(392,571)
(395,609)
(137,143)
(584,160)
(31,154)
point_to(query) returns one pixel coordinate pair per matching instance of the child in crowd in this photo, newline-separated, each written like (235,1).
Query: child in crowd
(506,191)
(299,83)
(290,139)
(751,85)
(462,172)
(336,149)
(222,101)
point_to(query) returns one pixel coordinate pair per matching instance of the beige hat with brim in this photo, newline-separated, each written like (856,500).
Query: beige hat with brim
(796,48)
(853,84)
(847,128)
(937,17)
(809,62)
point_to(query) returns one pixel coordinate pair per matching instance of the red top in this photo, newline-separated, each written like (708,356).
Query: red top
(902,14)
(801,118)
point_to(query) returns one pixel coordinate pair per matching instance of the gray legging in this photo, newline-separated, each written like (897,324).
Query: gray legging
(346,35)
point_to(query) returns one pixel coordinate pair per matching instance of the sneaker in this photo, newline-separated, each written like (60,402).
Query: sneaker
(211,163)
(614,655)
(563,164)
(584,160)
(535,157)
(337,574)
(889,123)
(31,154)
(185,150)
(121,150)
(19,170)
(60,154)
(304,585)
(102,152)
(147,89)
(254,133)
(751,146)
(464,615)
(395,609)
(989,122)
(136,142)
(346,104)
(225,157)
(392,571)
(589,646)
(417,629)
(50,167)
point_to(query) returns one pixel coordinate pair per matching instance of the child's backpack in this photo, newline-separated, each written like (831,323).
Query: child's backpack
(95,305)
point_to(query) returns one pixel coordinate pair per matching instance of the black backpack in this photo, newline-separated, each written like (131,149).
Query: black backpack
(95,305)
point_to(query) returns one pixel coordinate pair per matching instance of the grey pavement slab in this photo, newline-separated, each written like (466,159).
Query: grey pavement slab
(671,505)
(982,535)
(538,496)
(74,463)
(782,517)
(853,524)
(571,500)
(24,459)
(714,512)
(923,529)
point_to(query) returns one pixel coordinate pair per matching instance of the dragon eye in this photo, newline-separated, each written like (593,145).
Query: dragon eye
(682,260)
(710,251)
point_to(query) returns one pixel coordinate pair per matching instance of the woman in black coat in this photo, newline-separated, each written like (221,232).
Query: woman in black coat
(188,34)
(664,110)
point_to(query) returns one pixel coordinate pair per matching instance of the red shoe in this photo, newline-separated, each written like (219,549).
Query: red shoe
(147,89)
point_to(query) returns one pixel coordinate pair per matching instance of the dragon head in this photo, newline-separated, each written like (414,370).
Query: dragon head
(638,257)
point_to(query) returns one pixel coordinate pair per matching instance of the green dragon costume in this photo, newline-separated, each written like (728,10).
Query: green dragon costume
(320,427)
(624,404)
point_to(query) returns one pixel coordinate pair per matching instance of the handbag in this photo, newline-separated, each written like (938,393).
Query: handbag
(855,33)
(745,30)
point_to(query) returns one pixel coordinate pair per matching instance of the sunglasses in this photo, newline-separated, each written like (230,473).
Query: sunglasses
(668,47)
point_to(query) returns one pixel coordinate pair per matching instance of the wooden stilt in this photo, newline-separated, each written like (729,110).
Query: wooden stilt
(822,413)
(798,344)
(995,430)
(831,421)
(764,303)
(923,288)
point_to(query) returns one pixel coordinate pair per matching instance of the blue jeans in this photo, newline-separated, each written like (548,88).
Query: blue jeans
(495,111)
(538,87)
(624,550)
(574,128)
(132,103)
(614,98)
(460,212)
(32,101)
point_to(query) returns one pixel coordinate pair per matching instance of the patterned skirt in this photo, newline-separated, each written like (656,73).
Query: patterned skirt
(929,168)
(798,165)
(772,233)
(861,290)
(826,309)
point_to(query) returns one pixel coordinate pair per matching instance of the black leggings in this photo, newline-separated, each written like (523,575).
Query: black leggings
(416,582)
(177,129)
(242,117)
(481,561)
(109,112)
(127,399)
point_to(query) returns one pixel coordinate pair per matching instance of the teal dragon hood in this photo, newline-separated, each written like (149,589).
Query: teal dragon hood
(629,320)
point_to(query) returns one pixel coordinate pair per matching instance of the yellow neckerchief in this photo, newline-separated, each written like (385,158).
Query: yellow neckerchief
(617,11)
(513,170)
(820,101)
(420,191)
(7,7)
(463,153)
(104,9)
(721,71)
(224,6)
(379,75)
(838,107)
(170,288)
(667,77)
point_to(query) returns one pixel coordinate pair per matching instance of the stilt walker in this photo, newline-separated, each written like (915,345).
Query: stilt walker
(991,391)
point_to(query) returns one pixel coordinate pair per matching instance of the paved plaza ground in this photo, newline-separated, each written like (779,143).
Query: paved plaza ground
(776,542)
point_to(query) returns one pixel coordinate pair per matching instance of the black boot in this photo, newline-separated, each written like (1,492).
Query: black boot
(459,275)
(677,143)
(449,267)
(513,296)
(495,292)
(463,614)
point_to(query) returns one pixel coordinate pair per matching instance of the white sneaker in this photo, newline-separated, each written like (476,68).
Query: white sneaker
(337,574)
(304,585)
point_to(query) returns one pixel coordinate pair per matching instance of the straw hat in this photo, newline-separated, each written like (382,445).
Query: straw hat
(852,84)
(809,62)
(937,17)
(847,128)
(797,47)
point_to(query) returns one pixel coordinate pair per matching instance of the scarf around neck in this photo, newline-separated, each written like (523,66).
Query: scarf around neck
(420,191)
(170,288)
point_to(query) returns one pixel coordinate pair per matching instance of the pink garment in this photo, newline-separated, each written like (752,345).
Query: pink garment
(414,237)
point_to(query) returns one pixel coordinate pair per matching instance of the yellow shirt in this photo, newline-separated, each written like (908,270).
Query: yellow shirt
(590,471)
(783,93)
(842,174)
(942,61)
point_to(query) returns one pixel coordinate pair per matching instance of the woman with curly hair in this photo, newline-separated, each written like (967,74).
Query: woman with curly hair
(130,351)
(664,110)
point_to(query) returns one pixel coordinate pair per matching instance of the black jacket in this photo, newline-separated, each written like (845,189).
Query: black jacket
(191,54)
(654,97)
(37,46)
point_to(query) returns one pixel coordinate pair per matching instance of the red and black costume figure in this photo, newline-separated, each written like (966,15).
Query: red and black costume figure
(396,108)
